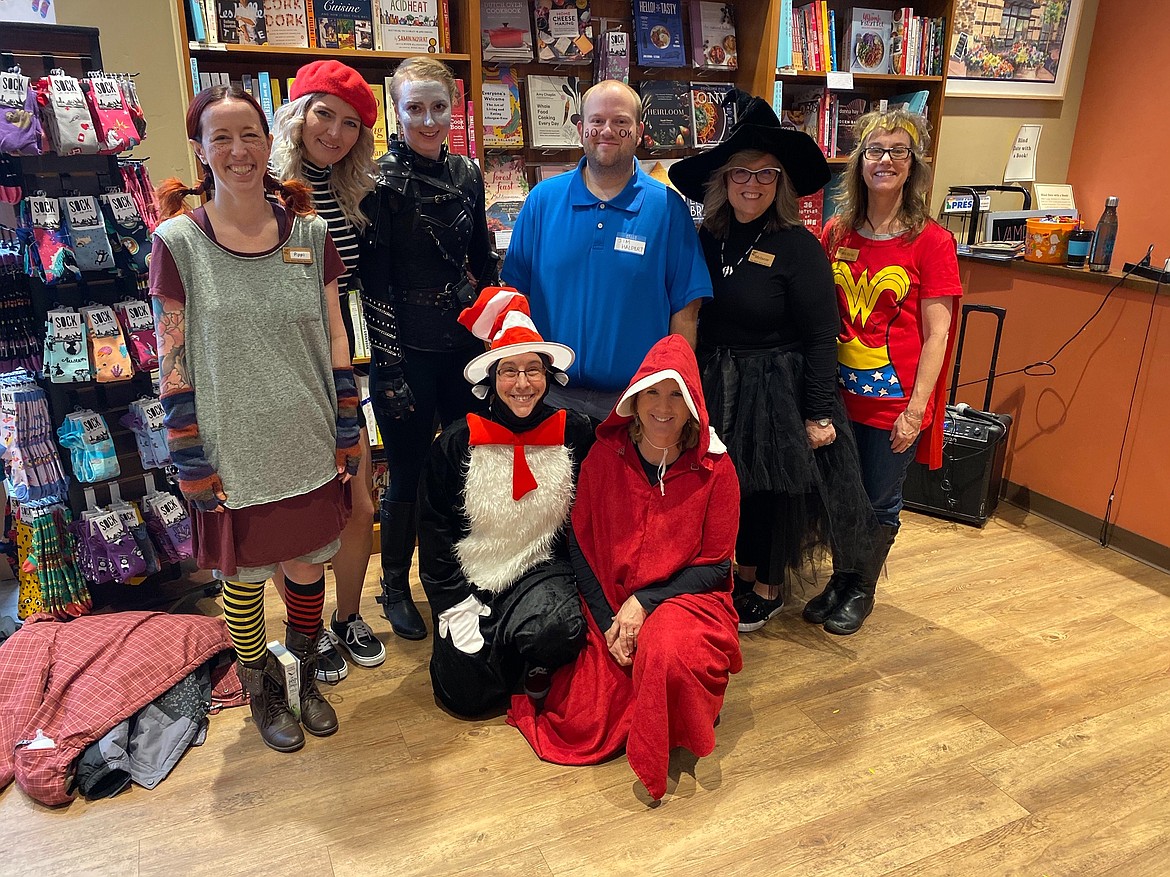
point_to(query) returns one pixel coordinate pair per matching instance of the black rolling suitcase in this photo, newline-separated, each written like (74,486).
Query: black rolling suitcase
(966,488)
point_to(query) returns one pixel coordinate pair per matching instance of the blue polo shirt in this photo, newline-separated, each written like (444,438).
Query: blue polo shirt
(604,277)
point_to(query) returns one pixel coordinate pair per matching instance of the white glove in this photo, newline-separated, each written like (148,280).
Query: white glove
(461,621)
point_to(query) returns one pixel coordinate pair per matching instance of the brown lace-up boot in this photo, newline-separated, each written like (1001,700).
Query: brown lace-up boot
(265,686)
(317,715)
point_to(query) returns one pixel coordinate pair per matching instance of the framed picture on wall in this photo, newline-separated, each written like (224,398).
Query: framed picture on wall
(1012,48)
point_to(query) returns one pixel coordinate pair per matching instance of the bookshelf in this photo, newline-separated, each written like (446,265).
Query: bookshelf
(758,62)
(757,27)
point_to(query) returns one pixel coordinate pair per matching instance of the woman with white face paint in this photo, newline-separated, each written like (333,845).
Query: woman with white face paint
(424,256)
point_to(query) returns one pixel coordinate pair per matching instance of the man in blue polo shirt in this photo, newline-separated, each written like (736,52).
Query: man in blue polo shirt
(608,256)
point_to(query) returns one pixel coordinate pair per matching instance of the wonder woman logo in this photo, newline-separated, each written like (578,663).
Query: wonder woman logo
(862,294)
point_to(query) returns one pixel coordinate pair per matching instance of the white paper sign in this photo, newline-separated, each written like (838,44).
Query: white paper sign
(1053,196)
(839,81)
(497,105)
(1021,165)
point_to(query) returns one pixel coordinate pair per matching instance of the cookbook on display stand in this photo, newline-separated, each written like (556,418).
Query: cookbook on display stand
(505,35)
(658,31)
(713,42)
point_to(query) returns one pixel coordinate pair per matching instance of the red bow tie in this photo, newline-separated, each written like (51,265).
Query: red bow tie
(487,432)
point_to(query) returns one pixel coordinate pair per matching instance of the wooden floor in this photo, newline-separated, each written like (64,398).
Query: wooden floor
(1003,712)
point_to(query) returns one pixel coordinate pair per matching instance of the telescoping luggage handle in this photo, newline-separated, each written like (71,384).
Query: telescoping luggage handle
(999,315)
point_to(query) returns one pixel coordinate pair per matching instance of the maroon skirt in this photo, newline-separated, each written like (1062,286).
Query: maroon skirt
(266,534)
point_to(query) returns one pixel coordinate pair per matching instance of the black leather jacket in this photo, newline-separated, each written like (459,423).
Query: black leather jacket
(427,240)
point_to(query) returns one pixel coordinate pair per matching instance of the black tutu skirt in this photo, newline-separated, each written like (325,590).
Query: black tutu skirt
(753,400)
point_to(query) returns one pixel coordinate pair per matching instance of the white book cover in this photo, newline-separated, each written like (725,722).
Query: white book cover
(292,676)
(554,108)
(868,40)
(408,26)
(713,43)
(287,23)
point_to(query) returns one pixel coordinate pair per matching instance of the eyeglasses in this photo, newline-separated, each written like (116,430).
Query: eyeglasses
(896,153)
(511,373)
(765,176)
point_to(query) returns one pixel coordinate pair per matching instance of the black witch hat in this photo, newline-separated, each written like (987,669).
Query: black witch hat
(756,127)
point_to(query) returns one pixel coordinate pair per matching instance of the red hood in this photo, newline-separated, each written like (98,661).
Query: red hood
(673,358)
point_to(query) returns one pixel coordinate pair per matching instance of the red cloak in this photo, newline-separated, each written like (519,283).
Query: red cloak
(634,535)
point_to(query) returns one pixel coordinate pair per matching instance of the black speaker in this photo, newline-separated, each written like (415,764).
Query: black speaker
(967,486)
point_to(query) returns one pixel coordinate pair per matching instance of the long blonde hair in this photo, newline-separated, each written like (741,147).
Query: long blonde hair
(351,179)
(783,212)
(853,198)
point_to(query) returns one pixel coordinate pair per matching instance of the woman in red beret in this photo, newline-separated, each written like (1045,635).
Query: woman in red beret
(324,137)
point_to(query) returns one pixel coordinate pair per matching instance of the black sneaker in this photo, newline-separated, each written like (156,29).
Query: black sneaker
(536,682)
(356,637)
(331,666)
(755,611)
(740,586)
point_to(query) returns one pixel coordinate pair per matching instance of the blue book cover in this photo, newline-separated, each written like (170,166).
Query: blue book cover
(195,86)
(784,43)
(264,81)
(198,31)
(833,40)
(658,31)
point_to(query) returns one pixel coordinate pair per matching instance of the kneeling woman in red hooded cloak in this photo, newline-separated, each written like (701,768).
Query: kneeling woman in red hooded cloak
(653,530)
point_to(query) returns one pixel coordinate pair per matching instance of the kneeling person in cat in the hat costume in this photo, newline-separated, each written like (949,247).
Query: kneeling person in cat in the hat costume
(493,505)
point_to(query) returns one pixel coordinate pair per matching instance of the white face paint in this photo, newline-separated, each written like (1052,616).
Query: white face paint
(424,113)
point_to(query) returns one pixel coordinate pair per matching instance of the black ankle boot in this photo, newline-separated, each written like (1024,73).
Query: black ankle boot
(826,602)
(857,601)
(399,527)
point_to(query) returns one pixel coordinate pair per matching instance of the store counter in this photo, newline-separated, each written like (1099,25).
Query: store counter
(1067,427)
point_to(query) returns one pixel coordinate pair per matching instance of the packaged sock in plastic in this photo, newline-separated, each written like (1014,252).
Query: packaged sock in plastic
(66,358)
(65,115)
(87,233)
(48,256)
(109,359)
(128,233)
(145,420)
(138,328)
(20,124)
(91,450)
(111,117)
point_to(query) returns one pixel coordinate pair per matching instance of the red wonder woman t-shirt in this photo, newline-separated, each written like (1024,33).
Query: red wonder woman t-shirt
(879,296)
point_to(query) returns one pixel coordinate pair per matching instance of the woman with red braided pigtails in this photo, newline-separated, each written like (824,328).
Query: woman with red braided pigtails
(260,402)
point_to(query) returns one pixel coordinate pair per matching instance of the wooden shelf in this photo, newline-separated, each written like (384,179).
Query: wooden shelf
(871,78)
(275,53)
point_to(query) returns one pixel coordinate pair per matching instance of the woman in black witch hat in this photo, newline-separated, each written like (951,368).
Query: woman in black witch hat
(767,350)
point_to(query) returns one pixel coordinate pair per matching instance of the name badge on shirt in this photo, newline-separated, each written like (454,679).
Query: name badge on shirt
(759,257)
(298,255)
(630,244)
(848,254)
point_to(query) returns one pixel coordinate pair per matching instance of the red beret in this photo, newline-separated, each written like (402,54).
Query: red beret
(333,77)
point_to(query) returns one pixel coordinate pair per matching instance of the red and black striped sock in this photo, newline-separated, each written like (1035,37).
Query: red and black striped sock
(304,603)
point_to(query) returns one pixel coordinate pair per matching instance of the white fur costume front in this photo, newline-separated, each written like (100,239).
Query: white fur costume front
(508,537)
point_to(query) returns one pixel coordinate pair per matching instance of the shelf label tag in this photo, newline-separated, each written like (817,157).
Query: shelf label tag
(839,80)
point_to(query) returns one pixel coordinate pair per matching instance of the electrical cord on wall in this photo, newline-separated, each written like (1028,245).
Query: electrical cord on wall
(1105,523)
(1047,367)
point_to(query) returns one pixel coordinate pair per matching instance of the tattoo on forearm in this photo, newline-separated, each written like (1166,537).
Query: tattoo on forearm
(172,347)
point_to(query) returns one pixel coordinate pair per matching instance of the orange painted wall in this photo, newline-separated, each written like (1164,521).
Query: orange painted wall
(1067,430)
(1120,146)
